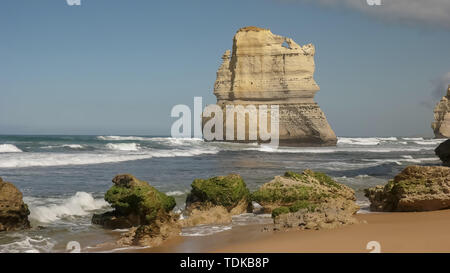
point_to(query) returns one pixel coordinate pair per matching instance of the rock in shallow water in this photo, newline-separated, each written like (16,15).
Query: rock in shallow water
(443,152)
(141,207)
(13,211)
(416,188)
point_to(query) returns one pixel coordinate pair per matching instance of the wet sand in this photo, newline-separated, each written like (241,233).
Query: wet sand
(396,232)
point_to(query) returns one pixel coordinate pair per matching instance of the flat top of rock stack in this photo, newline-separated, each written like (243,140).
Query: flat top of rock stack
(263,66)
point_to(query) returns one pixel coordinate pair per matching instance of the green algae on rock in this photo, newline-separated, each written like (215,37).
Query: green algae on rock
(416,188)
(135,203)
(227,191)
(314,187)
(215,200)
(130,195)
(143,209)
(307,200)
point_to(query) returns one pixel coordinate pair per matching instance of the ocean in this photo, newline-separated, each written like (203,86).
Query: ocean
(64,178)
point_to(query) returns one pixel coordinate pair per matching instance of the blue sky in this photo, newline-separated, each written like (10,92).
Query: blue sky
(118,67)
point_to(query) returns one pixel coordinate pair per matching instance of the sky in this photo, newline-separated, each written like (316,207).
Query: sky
(118,67)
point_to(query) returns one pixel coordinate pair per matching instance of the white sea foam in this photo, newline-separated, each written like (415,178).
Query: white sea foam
(80,204)
(433,142)
(322,150)
(121,138)
(9,148)
(366,141)
(204,230)
(399,161)
(177,141)
(412,138)
(364,206)
(23,160)
(26,244)
(123,146)
(176,193)
(71,146)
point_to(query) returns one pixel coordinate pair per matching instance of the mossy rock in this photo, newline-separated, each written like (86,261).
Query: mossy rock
(131,196)
(306,188)
(416,188)
(278,211)
(227,191)
(298,205)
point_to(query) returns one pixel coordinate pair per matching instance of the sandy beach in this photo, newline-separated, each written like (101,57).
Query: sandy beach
(396,232)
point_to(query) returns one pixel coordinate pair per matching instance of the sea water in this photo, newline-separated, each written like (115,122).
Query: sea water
(64,178)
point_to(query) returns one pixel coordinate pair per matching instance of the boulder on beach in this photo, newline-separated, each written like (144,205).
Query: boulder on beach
(216,200)
(141,207)
(310,200)
(13,211)
(443,152)
(416,188)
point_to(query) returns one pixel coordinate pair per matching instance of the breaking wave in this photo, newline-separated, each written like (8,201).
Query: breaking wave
(122,138)
(9,148)
(81,204)
(71,146)
(23,160)
(123,146)
(367,141)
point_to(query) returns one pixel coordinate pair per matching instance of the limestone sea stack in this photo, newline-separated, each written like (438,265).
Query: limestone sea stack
(268,69)
(13,211)
(441,124)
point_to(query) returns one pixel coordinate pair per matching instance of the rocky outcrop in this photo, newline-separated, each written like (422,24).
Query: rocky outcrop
(416,188)
(13,211)
(441,124)
(310,200)
(216,200)
(443,152)
(267,69)
(141,207)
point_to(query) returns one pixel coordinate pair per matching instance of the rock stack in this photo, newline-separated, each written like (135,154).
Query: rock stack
(267,69)
(441,124)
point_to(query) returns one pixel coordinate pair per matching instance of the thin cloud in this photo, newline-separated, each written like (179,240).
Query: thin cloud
(440,86)
(438,89)
(432,12)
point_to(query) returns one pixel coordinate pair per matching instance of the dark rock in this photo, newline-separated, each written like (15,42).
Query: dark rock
(443,151)
(13,211)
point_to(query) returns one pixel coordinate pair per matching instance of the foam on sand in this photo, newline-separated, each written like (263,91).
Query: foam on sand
(27,244)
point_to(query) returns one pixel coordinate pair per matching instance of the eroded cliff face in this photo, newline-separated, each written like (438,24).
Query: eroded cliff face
(268,69)
(441,124)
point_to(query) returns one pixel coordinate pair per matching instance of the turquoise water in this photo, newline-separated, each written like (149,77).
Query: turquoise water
(64,178)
